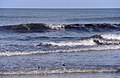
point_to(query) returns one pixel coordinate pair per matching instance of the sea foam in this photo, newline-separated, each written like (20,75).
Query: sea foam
(95,48)
(58,71)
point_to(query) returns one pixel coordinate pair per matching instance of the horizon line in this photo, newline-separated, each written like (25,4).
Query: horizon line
(59,7)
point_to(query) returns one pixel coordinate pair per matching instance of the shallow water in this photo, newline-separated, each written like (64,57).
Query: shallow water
(76,75)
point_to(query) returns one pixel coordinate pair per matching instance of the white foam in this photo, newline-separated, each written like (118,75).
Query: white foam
(56,26)
(95,48)
(109,41)
(58,71)
(21,53)
(77,43)
(111,36)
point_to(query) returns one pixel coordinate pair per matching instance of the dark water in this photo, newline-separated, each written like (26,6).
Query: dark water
(53,41)
(18,16)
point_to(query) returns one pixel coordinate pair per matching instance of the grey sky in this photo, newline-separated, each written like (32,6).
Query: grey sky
(59,3)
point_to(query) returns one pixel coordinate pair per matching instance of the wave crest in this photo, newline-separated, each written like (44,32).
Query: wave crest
(41,27)
(70,43)
(111,36)
(103,39)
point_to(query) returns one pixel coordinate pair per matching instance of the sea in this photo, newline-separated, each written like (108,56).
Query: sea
(59,43)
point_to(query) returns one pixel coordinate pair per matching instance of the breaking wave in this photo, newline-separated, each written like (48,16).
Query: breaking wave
(111,36)
(95,48)
(93,43)
(41,27)
(70,43)
(104,39)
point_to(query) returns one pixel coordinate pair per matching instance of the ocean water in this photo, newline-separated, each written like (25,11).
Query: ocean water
(60,43)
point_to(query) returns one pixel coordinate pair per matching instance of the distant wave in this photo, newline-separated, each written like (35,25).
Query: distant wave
(41,27)
(58,71)
(95,18)
(19,17)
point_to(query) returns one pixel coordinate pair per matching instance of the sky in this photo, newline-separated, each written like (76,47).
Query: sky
(59,3)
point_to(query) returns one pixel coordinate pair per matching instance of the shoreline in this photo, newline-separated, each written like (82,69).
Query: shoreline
(71,75)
